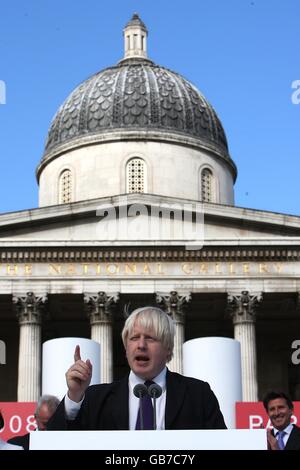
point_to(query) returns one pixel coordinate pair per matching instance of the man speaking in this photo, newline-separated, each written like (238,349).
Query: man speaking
(180,402)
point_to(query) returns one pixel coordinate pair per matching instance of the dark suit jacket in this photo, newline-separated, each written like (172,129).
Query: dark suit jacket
(190,404)
(293,442)
(20,441)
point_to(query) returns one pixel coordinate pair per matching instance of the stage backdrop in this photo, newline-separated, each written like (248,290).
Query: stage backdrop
(252,415)
(19,417)
(216,360)
(58,356)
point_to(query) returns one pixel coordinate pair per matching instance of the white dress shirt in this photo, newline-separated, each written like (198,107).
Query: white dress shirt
(134,401)
(287,432)
(72,408)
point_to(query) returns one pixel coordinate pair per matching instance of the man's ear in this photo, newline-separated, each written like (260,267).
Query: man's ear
(169,355)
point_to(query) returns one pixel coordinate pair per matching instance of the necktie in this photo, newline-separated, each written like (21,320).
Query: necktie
(280,439)
(147,410)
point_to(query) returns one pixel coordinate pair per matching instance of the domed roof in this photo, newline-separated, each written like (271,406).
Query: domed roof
(135,95)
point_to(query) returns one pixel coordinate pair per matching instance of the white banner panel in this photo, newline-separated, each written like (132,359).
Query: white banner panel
(231,439)
(58,356)
(216,360)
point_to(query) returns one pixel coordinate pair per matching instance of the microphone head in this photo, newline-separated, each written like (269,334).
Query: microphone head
(154,390)
(140,390)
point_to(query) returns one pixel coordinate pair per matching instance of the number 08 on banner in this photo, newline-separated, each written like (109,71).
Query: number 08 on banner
(18,418)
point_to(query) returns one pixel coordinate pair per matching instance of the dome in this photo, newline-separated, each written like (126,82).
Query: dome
(135,99)
(136,94)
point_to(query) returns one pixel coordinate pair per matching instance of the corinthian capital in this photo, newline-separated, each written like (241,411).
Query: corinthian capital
(174,304)
(29,307)
(99,307)
(243,307)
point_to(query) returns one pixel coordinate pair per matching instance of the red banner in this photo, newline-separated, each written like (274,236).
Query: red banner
(18,419)
(252,415)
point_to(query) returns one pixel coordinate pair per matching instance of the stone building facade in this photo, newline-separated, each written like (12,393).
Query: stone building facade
(136,208)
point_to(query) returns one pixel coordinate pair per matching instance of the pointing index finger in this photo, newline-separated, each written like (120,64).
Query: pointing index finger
(77,356)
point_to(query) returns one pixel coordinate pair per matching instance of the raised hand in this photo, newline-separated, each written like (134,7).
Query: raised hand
(272,441)
(78,376)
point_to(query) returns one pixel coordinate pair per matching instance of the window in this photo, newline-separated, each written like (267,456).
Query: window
(136,174)
(207,192)
(65,187)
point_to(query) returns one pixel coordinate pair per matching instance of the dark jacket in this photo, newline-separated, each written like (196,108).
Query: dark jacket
(293,442)
(20,441)
(190,404)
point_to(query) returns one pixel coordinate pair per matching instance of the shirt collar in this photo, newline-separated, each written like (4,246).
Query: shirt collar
(160,379)
(287,430)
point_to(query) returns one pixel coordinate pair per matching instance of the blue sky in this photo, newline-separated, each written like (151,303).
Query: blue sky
(242,55)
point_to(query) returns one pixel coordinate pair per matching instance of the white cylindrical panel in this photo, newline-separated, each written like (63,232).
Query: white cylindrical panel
(217,361)
(58,356)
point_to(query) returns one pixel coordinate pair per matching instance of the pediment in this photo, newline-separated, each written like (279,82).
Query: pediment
(127,220)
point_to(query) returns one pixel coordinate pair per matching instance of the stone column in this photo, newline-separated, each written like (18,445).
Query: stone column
(297,303)
(174,304)
(29,310)
(243,311)
(99,309)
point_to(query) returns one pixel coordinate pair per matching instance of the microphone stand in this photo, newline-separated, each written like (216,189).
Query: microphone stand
(155,392)
(140,390)
(154,412)
(141,410)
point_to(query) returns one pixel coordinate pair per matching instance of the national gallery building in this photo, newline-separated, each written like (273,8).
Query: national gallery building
(136,207)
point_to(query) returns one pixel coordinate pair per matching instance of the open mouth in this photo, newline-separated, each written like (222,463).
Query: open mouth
(142,359)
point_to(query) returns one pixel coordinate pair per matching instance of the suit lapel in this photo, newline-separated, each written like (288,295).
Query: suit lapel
(293,442)
(175,397)
(119,404)
(176,390)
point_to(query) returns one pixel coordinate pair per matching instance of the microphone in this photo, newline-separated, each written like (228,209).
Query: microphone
(155,392)
(140,390)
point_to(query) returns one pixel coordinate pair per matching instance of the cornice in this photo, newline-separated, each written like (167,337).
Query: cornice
(113,255)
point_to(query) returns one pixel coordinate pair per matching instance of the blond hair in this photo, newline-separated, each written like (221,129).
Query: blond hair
(155,319)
